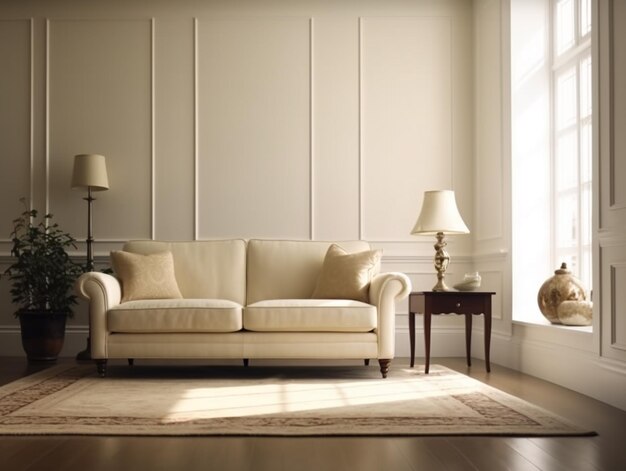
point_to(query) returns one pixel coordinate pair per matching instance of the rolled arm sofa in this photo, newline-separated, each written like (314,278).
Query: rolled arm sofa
(245,300)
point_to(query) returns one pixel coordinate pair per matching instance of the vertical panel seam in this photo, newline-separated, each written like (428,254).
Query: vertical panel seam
(152,132)
(195,128)
(452,75)
(47,118)
(360,124)
(31,194)
(611,47)
(311,136)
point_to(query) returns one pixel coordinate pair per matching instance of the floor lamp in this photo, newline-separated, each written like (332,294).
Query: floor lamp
(90,172)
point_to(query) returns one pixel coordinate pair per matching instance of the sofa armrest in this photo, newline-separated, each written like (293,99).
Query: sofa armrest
(385,290)
(103,292)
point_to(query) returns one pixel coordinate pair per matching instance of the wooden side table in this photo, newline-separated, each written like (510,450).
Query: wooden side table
(466,303)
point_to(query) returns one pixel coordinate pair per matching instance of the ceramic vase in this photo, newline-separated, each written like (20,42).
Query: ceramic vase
(563,286)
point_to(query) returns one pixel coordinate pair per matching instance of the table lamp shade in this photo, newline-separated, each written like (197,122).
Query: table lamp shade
(90,171)
(439,214)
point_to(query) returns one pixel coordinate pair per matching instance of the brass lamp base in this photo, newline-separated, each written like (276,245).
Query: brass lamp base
(442,259)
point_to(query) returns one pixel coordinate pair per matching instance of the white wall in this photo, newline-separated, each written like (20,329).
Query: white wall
(272,118)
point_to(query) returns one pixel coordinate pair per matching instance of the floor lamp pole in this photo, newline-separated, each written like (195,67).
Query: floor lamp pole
(85,355)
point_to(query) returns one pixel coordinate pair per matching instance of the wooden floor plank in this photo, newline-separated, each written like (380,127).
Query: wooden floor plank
(492,454)
(440,452)
(543,459)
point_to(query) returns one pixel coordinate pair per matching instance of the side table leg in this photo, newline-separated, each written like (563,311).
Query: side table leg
(468,338)
(488,336)
(412,336)
(427,340)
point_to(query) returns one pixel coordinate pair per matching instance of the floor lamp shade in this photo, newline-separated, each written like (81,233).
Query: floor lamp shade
(90,171)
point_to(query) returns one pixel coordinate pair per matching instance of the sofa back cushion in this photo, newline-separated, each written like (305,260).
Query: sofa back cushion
(288,269)
(212,269)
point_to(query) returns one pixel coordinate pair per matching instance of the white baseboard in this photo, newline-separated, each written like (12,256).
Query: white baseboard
(580,370)
(11,341)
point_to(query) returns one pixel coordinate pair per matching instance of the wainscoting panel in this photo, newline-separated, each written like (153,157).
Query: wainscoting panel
(15,120)
(618,306)
(612,111)
(335,167)
(617,173)
(254,87)
(100,100)
(489,189)
(406,120)
(613,301)
(174,168)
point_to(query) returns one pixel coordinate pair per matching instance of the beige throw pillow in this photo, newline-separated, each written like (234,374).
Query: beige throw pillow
(346,276)
(145,276)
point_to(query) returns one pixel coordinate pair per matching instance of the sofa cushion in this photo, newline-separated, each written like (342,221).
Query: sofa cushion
(347,276)
(175,315)
(310,315)
(145,276)
(205,269)
(287,269)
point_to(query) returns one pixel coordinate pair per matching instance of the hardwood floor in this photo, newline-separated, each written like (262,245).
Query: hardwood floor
(603,452)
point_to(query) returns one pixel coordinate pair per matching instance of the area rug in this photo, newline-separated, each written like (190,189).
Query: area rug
(73,400)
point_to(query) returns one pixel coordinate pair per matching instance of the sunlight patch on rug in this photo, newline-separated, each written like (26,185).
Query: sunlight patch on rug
(267,401)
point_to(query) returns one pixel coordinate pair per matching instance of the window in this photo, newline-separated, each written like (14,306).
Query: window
(571,137)
(551,146)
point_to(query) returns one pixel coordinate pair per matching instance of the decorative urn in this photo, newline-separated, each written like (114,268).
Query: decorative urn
(556,289)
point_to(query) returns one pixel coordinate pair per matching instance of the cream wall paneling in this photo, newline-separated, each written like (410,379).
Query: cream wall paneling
(611,233)
(617,107)
(335,129)
(406,101)
(618,306)
(254,127)
(613,302)
(489,122)
(100,99)
(612,75)
(16,120)
(175,132)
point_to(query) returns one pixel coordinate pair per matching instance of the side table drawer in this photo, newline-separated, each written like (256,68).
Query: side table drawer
(459,304)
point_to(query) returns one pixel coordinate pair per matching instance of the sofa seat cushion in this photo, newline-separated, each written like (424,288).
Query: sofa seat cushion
(310,315)
(175,315)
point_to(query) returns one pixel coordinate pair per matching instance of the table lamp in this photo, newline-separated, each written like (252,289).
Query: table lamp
(440,216)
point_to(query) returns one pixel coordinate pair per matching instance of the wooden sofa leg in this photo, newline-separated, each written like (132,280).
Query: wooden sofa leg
(102,367)
(384,366)
(246,361)
(131,361)
(367,362)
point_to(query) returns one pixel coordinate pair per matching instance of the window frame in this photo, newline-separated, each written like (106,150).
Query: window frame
(561,63)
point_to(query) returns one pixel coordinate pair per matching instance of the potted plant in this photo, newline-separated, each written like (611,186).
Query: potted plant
(42,278)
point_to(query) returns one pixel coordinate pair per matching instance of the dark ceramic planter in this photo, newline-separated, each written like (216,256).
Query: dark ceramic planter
(43,334)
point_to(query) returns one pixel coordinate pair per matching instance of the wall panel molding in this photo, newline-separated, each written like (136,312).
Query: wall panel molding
(226,87)
(435,149)
(29,22)
(311,133)
(103,137)
(195,129)
(618,306)
(488,231)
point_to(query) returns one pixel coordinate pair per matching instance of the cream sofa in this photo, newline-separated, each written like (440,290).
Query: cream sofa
(243,299)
